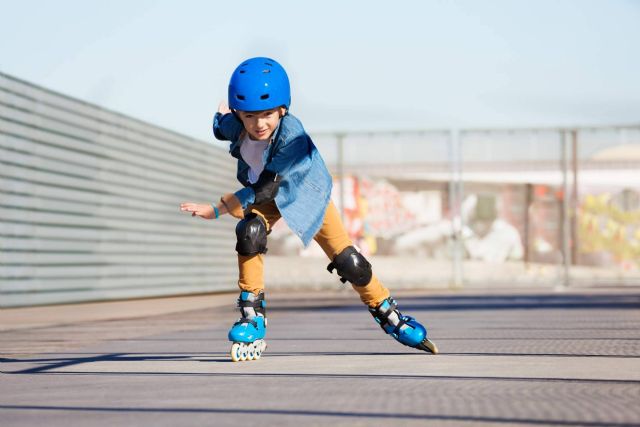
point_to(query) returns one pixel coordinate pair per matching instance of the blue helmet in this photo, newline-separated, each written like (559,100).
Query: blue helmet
(259,84)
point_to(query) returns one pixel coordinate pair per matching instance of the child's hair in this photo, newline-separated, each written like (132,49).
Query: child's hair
(259,84)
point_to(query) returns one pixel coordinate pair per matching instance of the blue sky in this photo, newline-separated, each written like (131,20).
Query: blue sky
(353,65)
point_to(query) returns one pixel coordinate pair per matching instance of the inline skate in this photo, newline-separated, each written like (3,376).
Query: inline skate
(247,334)
(405,329)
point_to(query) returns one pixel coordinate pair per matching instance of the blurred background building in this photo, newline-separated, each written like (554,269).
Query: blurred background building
(89,206)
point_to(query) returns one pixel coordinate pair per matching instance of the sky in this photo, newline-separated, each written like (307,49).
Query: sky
(353,65)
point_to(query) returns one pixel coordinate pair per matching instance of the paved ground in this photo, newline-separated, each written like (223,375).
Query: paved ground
(508,358)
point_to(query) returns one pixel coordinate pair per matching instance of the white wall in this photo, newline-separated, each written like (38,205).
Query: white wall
(89,204)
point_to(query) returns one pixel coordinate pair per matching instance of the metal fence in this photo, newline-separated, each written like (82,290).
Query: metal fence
(89,204)
(496,206)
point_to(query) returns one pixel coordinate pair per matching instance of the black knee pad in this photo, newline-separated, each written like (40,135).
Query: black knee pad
(251,232)
(351,266)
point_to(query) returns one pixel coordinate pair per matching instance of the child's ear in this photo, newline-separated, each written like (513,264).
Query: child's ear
(283,112)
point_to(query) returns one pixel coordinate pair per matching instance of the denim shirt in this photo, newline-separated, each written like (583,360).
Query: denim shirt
(305,188)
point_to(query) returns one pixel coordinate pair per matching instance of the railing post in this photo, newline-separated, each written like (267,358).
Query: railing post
(574,198)
(455,203)
(565,224)
(340,149)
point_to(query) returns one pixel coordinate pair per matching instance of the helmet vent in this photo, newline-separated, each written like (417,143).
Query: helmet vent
(242,71)
(265,96)
(240,97)
(269,64)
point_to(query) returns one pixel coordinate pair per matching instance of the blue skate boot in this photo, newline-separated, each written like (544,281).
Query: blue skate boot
(247,334)
(405,329)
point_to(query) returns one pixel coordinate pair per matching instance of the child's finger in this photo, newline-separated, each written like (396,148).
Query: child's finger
(187,207)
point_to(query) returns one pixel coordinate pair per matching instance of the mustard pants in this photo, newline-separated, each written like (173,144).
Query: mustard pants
(332,238)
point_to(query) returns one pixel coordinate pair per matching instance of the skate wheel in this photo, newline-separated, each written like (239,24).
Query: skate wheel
(244,352)
(260,346)
(236,352)
(251,351)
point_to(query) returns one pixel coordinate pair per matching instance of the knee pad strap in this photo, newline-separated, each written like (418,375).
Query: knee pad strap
(352,267)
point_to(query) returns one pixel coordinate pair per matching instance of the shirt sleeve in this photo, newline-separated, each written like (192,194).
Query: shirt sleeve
(227,127)
(246,196)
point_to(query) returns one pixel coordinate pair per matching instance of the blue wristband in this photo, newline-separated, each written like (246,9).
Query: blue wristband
(216,211)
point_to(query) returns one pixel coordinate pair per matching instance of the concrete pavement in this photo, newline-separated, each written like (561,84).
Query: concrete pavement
(509,357)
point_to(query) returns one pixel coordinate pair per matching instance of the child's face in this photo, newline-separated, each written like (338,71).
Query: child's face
(261,124)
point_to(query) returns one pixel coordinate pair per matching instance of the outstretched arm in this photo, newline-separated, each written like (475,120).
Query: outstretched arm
(228,203)
(202,210)
(226,126)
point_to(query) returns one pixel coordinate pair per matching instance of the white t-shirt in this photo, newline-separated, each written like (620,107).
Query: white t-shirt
(251,152)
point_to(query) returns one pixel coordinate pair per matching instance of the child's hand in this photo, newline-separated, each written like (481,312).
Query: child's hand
(223,108)
(203,211)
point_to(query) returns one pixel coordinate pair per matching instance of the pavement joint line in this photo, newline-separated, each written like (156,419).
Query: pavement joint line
(298,412)
(341,376)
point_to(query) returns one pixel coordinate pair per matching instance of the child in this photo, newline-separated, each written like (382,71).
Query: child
(283,175)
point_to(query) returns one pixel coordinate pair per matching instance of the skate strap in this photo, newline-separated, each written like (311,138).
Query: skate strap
(246,320)
(383,316)
(332,266)
(254,304)
(399,326)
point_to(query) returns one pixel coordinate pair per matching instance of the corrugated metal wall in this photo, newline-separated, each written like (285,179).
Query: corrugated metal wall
(89,204)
